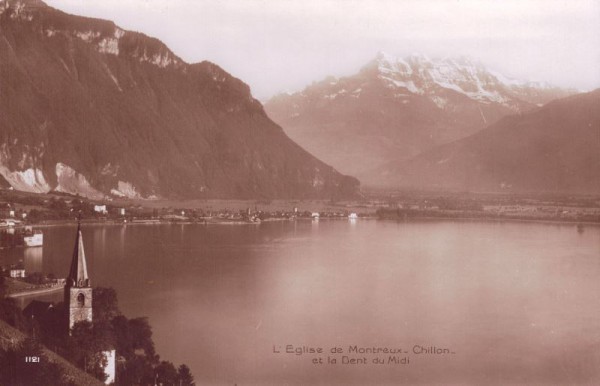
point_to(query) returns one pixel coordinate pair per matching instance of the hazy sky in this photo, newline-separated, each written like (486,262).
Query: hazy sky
(279,45)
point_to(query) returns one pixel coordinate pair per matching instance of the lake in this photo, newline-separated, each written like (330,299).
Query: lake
(464,302)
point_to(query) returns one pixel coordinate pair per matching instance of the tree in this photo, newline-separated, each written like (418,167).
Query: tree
(185,376)
(166,374)
(136,371)
(141,336)
(57,204)
(123,340)
(86,208)
(35,215)
(2,286)
(35,278)
(85,348)
(131,335)
(105,304)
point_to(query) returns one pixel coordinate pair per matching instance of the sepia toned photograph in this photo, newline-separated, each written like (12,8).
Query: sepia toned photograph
(299,192)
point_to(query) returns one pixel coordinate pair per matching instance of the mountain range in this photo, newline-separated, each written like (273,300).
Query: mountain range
(396,108)
(89,108)
(555,149)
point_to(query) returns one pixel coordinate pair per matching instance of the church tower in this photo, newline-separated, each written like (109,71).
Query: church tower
(78,292)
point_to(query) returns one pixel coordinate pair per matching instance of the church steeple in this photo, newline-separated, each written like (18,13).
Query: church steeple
(78,292)
(78,275)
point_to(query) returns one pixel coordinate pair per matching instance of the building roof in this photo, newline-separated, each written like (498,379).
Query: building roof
(78,275)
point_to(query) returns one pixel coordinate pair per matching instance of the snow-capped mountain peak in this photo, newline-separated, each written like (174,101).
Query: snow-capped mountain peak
(418,74)
(388,64)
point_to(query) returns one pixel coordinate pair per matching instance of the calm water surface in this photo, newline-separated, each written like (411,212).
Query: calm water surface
(516,303)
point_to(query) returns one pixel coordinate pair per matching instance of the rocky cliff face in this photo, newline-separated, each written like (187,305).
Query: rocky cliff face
(89,108)
(555,148)
(394,108)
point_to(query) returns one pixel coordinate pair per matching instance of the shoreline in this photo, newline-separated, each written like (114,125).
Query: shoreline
(373,217)
(496,219)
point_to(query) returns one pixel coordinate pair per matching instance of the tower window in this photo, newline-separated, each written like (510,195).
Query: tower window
(80,299)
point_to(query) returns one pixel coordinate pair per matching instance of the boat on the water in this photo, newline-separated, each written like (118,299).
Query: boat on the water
(33,239)
(21,237)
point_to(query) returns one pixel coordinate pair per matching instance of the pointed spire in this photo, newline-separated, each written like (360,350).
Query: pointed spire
(78,275)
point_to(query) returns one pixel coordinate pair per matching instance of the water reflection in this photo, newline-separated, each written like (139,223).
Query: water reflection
(33,259)
(121,239)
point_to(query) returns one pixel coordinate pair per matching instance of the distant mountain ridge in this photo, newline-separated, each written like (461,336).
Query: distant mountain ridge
(554,149)
(425,76)
(396,108)
(89,108)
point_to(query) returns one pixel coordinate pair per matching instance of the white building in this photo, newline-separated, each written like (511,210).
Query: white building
(100,209)
(110,369)
(17,272)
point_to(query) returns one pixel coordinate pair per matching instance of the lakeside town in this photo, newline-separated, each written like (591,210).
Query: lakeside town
(19,209)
